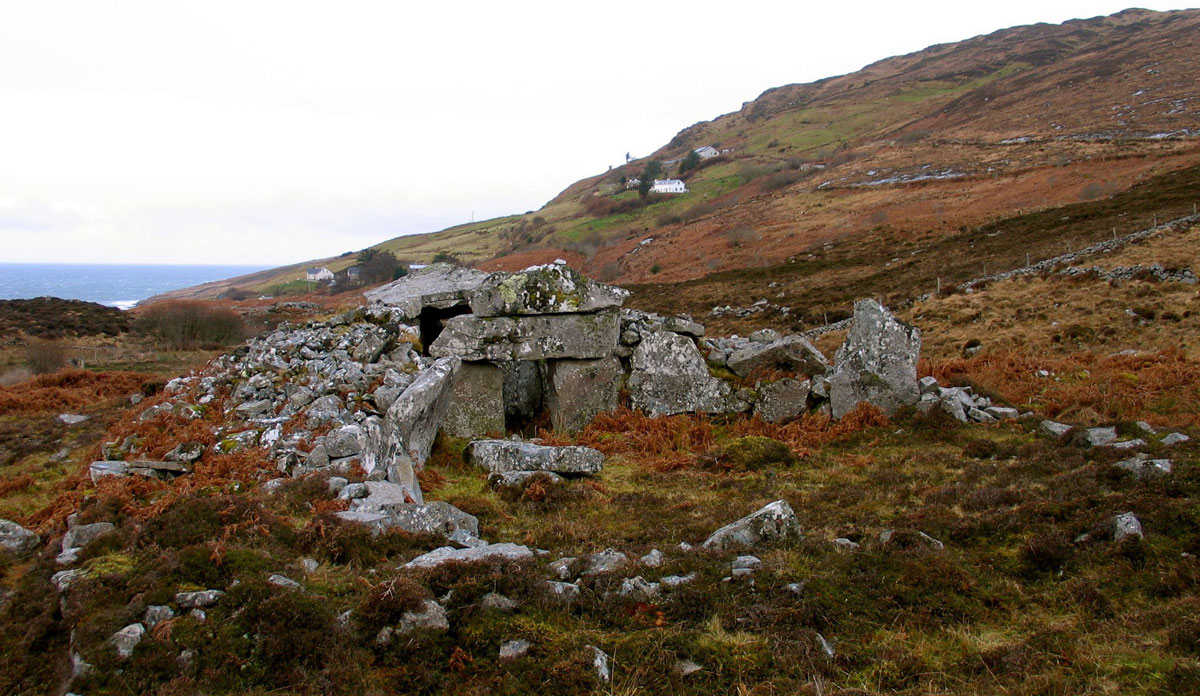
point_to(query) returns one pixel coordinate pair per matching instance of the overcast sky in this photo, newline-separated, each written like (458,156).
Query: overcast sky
(271,132)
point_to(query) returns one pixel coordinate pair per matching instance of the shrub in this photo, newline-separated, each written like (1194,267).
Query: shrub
(44,357)
(182,324)
(750,453)
(1045,552)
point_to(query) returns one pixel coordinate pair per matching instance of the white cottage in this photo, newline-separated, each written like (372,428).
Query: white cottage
(319,274)
(668,186)
(707,151)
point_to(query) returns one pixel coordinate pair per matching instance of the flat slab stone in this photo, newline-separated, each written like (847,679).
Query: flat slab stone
(578,390)
(498,456)
(544,337)
(548,289)
(488,552)
(104,469)
(790,353)
(438,285)
(476,407)
(15,539)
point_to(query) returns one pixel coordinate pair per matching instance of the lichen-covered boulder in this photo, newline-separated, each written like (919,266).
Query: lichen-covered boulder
(790,354)
(411,424)
(549,289)
(544,337)
(16,540)
(670,376)
(782,400)
(476,407)
(487,552)
(774,522)
(497,456)
(578,390)
(877,363)
(438,285)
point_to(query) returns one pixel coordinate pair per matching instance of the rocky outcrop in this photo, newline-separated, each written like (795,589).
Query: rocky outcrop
(670,376)
(877,363)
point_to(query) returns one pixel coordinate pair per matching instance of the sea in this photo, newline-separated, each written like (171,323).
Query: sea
(120,286)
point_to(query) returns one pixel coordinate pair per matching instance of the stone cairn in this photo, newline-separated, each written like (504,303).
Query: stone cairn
(480,355)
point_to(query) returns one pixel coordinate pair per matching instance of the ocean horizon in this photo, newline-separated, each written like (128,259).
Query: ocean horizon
(115,285)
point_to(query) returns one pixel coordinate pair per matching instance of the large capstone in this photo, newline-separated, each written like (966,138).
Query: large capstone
(476,406)
(877,363)
(438,286)
(580,336)
(510,455)
(789,354)
(488,552)
(670,376)
(549,289)
(578,390)
(775,522)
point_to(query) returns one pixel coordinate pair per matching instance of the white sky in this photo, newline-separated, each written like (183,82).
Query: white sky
(264,132)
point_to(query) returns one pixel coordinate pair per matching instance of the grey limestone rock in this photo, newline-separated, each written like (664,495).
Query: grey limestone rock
(81,535)
(518,480)
(476,407)
(126,639)
(565,592)
(1098,437)
(782,400)
(429,617)
(670,376)
(1126,525)
(488,552)
(877,363)
(548,289)
(514,650)
(1142,466)
(16,540)
(605,561)
(775,521)
(185,452)
(1174,439)
(600,664)
(104,469)
(156,614)
(511,455)
(791,353)
(438,285)
(578,390)
(198,600)
(411,424)
(638,588)
(540,337)
(1056,429)
(498,602)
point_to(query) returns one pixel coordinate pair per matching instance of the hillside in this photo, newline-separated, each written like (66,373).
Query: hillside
(913,148)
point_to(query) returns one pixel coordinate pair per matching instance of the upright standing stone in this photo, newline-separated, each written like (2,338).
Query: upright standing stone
(412,422)
(877,363)
(578,390)
(523,392)
(476,407)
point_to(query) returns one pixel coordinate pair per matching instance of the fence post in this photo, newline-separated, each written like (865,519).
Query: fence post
(939,285)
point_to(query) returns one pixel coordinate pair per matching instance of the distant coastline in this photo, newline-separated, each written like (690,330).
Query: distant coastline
(115,285)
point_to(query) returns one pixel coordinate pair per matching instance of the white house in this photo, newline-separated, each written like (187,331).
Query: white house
(707,151)
(319,274)
(668,186)
(633,182)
